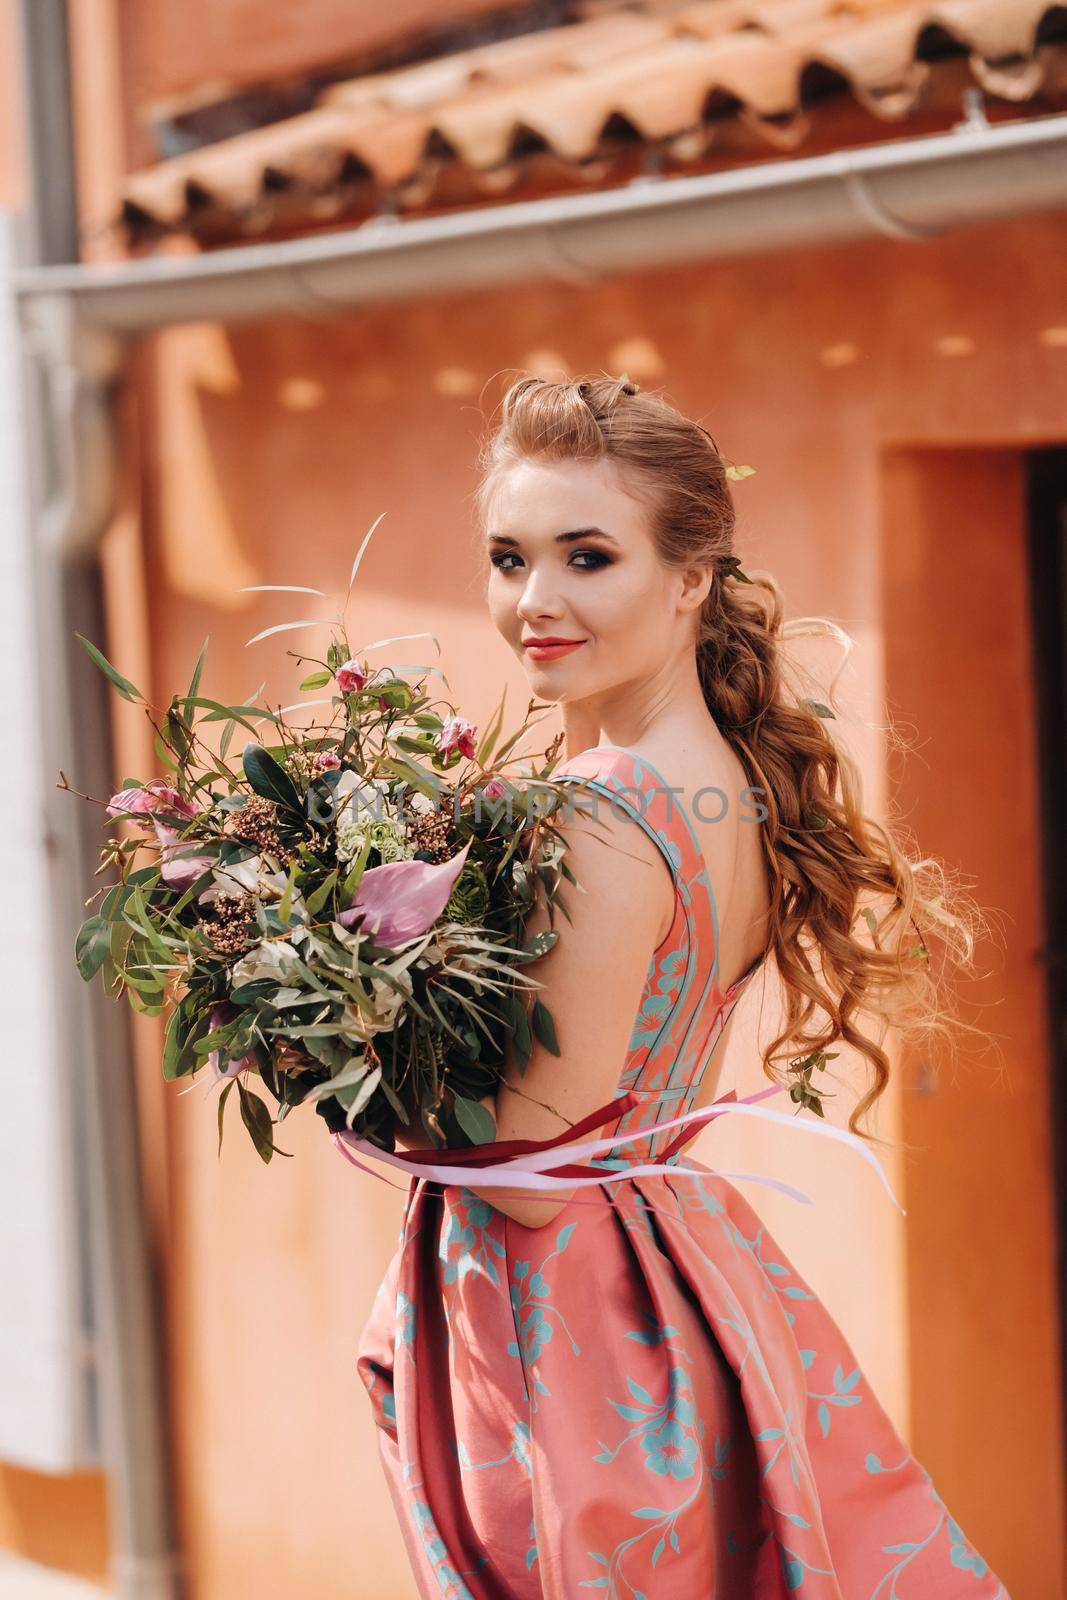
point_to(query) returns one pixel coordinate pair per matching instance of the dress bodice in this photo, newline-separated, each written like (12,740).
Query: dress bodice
(683,1009)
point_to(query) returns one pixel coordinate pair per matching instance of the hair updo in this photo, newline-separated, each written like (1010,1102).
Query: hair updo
(856,918)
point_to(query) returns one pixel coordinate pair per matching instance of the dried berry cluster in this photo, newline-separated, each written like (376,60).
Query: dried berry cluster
(233,918)
(430,832)
(257,823)
(302,763)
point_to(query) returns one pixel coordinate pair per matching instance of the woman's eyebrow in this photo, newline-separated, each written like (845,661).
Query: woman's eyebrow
(561,538)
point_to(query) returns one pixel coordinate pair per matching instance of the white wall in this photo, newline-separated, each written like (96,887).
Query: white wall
(45,1357)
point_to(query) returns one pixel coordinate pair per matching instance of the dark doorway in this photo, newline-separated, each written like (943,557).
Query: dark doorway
(1047,480)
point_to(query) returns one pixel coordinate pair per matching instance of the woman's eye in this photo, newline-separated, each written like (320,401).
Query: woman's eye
(595,559)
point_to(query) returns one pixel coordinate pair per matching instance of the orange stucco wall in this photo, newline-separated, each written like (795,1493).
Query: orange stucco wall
(12,150)
(267,452)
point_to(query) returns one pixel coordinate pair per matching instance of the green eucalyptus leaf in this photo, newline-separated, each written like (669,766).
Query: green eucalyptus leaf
(257,1119)
(194,686)
(92,946)
(519,1027)
(258,989)
(315,902)
(348,1077)
(360,1097)
(395,1101)
(475,1120)
(128,690)
(732,569)
(217,712)
(544,1027)
(224,1095)
(179,1045)
(285,904)
(484,748)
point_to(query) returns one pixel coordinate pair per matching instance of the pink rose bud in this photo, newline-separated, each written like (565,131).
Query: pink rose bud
(494,789)
(327,761)
(457,734)
(350,677)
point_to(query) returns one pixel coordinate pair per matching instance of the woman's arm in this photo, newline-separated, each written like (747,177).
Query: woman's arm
(593,980)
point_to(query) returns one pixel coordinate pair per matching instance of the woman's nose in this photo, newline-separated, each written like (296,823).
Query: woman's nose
(539,597)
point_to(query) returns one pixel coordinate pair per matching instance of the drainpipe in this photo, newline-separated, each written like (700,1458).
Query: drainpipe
(70,371)
(911,189)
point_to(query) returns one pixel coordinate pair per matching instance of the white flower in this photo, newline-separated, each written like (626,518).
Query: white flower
(239,877)
(420,803)
(378,1012)
(271,958)
(388,838)
(355,797)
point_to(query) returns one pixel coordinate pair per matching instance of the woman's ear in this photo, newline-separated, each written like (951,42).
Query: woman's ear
(696,586)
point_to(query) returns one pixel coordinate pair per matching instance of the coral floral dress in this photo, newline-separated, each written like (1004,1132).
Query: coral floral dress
(642,1400)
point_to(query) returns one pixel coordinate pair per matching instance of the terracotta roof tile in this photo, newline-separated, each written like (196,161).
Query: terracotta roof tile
(566,103)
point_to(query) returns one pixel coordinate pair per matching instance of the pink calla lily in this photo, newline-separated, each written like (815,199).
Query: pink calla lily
(222,1013)
(145,802)
(178,869)
(402,899)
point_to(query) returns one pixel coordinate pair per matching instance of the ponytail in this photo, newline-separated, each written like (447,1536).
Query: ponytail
(864,930)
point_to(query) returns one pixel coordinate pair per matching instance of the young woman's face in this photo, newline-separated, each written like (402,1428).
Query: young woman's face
(572,558)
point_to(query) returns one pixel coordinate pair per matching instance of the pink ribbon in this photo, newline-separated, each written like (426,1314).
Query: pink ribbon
(532,1162)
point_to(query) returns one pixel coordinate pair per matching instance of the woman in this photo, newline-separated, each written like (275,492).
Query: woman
(626,1387)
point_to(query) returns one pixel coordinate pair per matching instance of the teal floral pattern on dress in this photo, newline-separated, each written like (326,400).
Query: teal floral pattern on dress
(943,1533)
(469,1243)
(536,1316)
(642,1399)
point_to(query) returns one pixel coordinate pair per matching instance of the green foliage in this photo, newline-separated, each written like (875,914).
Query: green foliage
(477,1123)
(269,778)
(128,690)
(92,946)
(803,1092)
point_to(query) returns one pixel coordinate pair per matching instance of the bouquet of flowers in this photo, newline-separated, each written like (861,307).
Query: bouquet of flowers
(337,917)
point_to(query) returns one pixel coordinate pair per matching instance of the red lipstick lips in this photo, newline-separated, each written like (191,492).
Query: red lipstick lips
(548,647)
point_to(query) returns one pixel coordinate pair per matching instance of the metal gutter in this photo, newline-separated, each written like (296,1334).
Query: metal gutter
(908,188)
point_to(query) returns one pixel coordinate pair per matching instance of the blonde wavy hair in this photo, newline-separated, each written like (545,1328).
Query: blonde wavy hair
(864,931)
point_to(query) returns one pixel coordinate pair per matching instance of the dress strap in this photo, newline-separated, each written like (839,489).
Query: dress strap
(635,787)
(641,789)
